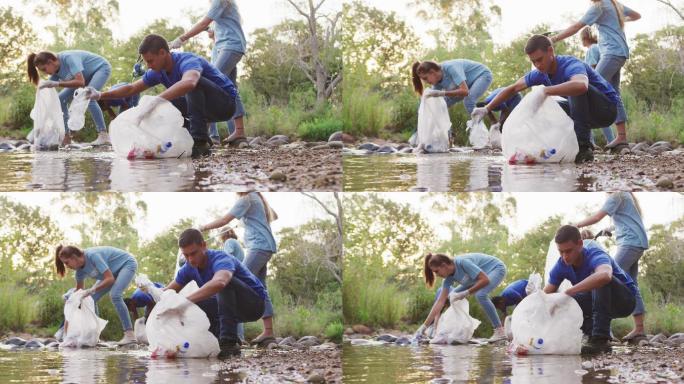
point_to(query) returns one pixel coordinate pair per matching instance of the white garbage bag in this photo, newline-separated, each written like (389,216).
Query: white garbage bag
(140,332)
(479,136)
(84,326)
(48,120)
(145,284)
(495,136)
(433,125)
(552,256)
(77,109)
(537,331)
(185,335)
(534,283)
(456,326)
(543,135)
(160,135)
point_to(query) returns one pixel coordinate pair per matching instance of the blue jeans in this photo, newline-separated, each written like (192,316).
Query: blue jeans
(603,304)
(97,81)
(482,295)
(589,110)
(206,103)
(237,303)
(226,61)
(122,280)
(210,308)
(475,91)
(609,67)
(627,257)
(256,261)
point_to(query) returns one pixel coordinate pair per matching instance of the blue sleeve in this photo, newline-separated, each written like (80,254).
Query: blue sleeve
(556,276)
(612,204)
(574,68)
(457,74)
(217,8)
(182,277)
(98,262)
(75,65)
(223,263)
(533,77)
(592,57)
(151,78)
(240,207)
(626,10)
(470,268)
(79,276)
(600,257)
(592,15)
(190,63)
(448,281)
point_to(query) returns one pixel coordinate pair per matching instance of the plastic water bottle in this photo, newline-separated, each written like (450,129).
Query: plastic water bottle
(184,348)
(547,153)
(135,152)
(162,148)
(536,343)
(520,157)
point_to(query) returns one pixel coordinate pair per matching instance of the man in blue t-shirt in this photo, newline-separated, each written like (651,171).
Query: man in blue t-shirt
(200,91)
(510,296)
(600,287)
(123,103)
(240,295)
(504,109)
(140,299)
(590,101)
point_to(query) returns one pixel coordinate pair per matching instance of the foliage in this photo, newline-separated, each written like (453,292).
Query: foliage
(663,263)
(16,35)
(319,128)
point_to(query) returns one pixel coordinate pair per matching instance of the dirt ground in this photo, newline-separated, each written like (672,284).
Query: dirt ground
(642,172)
(640,365)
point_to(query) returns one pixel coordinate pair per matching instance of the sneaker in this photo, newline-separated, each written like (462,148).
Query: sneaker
(229,348)
(499,334)
(102,139)
(596,345)
(200,149)
(585,155)
(263,341)
(128,338)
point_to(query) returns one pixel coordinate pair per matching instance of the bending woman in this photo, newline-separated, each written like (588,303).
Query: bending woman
(113,267)
(477,274)
(72,70)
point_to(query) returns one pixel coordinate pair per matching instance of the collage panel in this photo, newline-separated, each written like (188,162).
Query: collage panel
(589,92)
(123,288)
(513,287)
(178,95)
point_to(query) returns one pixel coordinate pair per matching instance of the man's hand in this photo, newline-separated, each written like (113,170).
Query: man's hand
(92,93)
(177,311)
(177,43)
(478,114)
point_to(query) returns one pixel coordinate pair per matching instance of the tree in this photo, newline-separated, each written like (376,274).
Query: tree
(157,257)
(672,6)
(16,36)
(662,265)
(334,247)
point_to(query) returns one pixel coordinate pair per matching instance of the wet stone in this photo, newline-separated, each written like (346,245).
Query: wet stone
(665,183)
(360,328)
(256,141)
(335,144)
(18,341)
(386,337)
(288,341)
(402,341)
(277,142)
(279,138)
(5,145)
(386,149)
(309,341)
(369,146)
(33,344)
(406,150)
(640,147)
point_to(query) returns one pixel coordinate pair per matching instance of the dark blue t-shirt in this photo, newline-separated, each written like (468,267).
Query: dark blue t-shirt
(511,103)
(143,298)
(515,292)
(183,62)
(569,66)
(218,261)
(131,101)
(594,256)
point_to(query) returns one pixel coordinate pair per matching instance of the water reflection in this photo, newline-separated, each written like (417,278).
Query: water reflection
(152,175)
(455,172)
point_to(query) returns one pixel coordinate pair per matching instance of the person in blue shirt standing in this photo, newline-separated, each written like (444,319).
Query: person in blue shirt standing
(504,109)
(113,267)
(600,287)
(257,215)
(71,70)
(609,16)
(632,241)
(200,91)
(477,274)
(232,247)
(592,57)
(591,101)
(229,47)
(240,296)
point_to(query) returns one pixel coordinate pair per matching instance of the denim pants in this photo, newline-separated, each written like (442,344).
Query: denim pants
(206,103)
(589,110)
(609,67)
(603,304)
(482,295)
(226,61)
(122,280)
(256,261)
(97,81)
(627,257)
(475,91)
(237,303)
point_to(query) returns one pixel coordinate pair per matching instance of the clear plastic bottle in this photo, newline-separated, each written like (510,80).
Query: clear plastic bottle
(547,153)
(162,148)
(184,348)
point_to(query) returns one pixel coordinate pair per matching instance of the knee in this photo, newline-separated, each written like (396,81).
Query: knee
(482,297)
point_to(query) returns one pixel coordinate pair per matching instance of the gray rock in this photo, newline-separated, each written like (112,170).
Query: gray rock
(402,146)
(5,145)
(674,342)
(587,365)
(625,151)
(643,343)
(335,144)
(387,149)
(54,344)
(272,346)
(33,344)
(406,150)
(658,150)
(243,145)
(659,338)
(369,146)
(386,337)
(48,340)
(640,147)
(18,341)
(278,176)
(324,347)
(665,182)
(288,341)
(319,147)
(24,147)
(276,142)
(279,138)
(309,341)
(256,141)
(337,136)
(17,143)
(662,144)
(676,335)
(348,331)
(315,378)
(402,341)
(310,144)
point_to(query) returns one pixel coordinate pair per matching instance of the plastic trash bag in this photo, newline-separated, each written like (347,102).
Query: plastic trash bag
(160,135)
(84,326)
(140,332)
(552,256)
(537,331)
(456,326)
(534,283)
(539,135)
(479,136)
(77,110)
(433,125)
(495,136)
(48,120)
(186,335)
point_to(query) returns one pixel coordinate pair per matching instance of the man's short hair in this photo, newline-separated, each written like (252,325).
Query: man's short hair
(190,236)
(152,44)
(536,42)
(567,233)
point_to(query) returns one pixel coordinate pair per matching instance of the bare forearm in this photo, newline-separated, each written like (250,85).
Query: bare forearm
(118,93)
(218,223)
(502,96)
(179,89)
(75,83)
(196,29)
(595,280)
(571,30)
(209,289)
(569,88)
(593,219)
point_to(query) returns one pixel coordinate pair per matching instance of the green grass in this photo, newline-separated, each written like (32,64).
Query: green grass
(373,302)
(322,318)
(320,128)
(18,308)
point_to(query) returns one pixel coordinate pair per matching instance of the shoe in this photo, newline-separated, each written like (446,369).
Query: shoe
(200,149)
(102,139)
(234,139)
(585,155)
(128,338)
(263,341)
(596,345)
(499,334)
(229,348)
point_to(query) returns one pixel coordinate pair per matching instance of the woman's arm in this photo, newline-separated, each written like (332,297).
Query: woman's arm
(462,91)
(196,29)
(481,282)
(593,219)
(107,282)
(437,307)
(218,223)
(571,30)
(632,15)
(77,82)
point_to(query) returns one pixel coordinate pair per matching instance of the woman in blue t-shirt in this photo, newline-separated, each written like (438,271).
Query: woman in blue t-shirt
(477,274)
(609,16)
(592,57)
(71,70)
(113,267)
(632,241)
(255,213)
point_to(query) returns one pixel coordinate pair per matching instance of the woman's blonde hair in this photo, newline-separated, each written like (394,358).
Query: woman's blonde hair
(270,213)
(619,9)
(587,34)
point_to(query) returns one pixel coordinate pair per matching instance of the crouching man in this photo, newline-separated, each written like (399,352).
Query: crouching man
(229,293)
(600,287)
